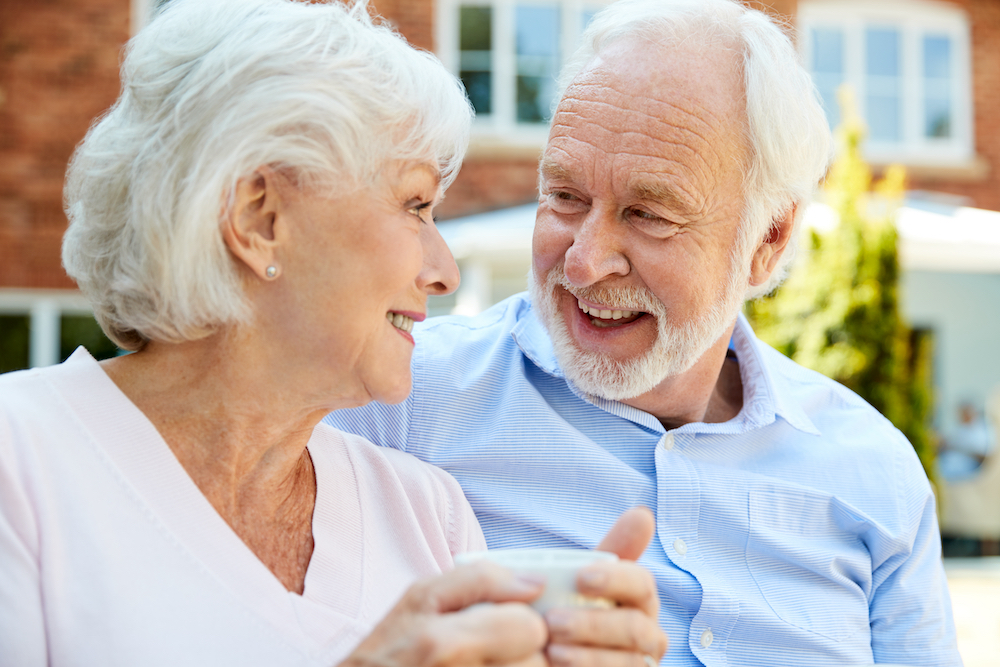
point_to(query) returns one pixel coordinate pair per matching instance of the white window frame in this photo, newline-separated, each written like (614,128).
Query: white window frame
(44,308)
(501,125)
(914,19)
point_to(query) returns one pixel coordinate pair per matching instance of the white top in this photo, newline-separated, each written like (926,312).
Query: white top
(110,555)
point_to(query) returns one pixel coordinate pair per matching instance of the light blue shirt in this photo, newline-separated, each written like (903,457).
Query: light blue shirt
(801,532)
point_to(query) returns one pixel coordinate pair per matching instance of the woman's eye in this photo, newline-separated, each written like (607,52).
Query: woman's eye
(422,211)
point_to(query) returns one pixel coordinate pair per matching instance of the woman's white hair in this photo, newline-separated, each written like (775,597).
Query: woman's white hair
(212,90)
(789,141)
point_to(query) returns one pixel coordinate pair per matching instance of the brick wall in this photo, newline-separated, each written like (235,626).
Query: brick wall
(58,69)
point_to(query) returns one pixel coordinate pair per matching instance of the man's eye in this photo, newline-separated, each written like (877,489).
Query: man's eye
(643,215)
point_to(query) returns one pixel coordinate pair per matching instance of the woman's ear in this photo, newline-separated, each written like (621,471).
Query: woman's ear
(772,246)
(251,229)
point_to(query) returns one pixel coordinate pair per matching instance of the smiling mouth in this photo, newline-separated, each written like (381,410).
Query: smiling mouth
(609,317)
(400,321)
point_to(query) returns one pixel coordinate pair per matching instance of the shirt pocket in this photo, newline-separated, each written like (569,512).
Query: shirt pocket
(806,556)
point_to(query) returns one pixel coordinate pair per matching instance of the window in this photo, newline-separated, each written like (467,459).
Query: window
(44,327)
(508,54)
(908,64)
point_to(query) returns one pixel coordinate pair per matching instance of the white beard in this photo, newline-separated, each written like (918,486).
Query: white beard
(677,347)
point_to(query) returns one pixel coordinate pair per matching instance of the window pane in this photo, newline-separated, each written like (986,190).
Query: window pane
(882,83)
(537,48)
(15,334)
(937,57)
(475,67)
(77,330)
(475,28)
(828,68)
(937,86)
(882,51)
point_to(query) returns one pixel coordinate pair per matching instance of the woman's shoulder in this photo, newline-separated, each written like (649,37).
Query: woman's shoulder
(429,491)
(371,460)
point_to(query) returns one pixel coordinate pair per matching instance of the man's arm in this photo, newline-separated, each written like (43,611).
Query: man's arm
(910,611)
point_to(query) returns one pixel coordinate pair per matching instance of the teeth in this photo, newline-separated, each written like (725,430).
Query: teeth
(401,322)
(605,314)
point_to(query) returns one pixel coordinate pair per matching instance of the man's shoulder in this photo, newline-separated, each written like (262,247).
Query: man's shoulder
(828,403)
(459,335)
(502,315)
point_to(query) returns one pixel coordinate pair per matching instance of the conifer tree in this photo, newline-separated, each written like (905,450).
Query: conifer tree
(838,312)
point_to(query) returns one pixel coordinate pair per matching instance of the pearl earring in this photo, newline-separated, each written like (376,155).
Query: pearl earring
(271,271)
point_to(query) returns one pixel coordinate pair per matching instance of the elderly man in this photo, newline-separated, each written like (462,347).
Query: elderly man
(794,524)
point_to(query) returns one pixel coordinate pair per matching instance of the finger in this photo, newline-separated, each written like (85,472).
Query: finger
(631,534)
(501,633)
(621,629)
(577,656)
(626,583)
(466,585)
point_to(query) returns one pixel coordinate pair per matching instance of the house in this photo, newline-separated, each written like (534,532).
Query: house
(927,73)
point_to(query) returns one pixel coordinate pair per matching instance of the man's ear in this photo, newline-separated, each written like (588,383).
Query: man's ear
(251,229)
(773,245)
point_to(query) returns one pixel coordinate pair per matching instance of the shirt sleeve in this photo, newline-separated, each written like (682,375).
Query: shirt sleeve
(911,619)
(22,621)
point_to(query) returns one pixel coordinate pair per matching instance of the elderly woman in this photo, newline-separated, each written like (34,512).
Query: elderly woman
(253,220)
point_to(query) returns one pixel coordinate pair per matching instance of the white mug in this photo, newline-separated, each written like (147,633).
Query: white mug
(558,566)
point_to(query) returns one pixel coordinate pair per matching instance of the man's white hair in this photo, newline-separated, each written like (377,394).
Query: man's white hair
(789,141)
(212,90)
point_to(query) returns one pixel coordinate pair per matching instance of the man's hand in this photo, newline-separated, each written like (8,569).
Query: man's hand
(439,623)
(620,637)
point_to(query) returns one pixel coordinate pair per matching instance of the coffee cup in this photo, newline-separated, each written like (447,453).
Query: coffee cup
(559,568)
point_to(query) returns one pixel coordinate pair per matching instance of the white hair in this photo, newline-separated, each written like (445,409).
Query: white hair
(789,141)
(212,90)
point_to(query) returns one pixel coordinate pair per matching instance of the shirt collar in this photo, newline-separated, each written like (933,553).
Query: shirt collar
(766,396)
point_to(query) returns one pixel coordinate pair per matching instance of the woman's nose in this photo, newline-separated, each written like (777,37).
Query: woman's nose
(439,274)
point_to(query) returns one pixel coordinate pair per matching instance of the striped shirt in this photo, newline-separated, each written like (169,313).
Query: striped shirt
(800,532)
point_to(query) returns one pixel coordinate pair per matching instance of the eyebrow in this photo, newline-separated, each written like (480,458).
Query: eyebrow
(642,188)
(659,191)
(550,169)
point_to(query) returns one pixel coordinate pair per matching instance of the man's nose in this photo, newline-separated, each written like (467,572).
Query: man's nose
(597,251)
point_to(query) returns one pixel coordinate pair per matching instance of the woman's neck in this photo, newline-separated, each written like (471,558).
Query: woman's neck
(240,435)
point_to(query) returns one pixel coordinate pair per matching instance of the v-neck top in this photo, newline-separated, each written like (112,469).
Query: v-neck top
(110,555)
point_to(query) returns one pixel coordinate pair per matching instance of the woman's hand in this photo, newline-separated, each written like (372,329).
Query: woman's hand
(628,635)
(438,623)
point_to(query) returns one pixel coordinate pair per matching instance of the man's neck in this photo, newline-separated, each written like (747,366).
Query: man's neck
(711,391)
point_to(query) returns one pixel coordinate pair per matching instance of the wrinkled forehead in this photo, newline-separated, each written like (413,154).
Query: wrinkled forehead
(651,104)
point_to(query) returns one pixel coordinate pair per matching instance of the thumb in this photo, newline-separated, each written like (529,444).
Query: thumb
(631,534)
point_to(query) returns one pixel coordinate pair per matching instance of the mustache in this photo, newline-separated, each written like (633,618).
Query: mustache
(633,298)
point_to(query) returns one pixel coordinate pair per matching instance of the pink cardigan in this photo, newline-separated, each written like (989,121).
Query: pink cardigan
(109,554)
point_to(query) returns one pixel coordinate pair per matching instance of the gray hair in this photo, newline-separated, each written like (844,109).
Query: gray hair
(787,132)
(212,90)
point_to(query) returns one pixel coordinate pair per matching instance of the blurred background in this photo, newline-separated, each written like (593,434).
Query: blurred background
(917,245)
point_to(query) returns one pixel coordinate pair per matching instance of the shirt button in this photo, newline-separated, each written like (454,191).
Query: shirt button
(706,638)
(680,547)
(667,441)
